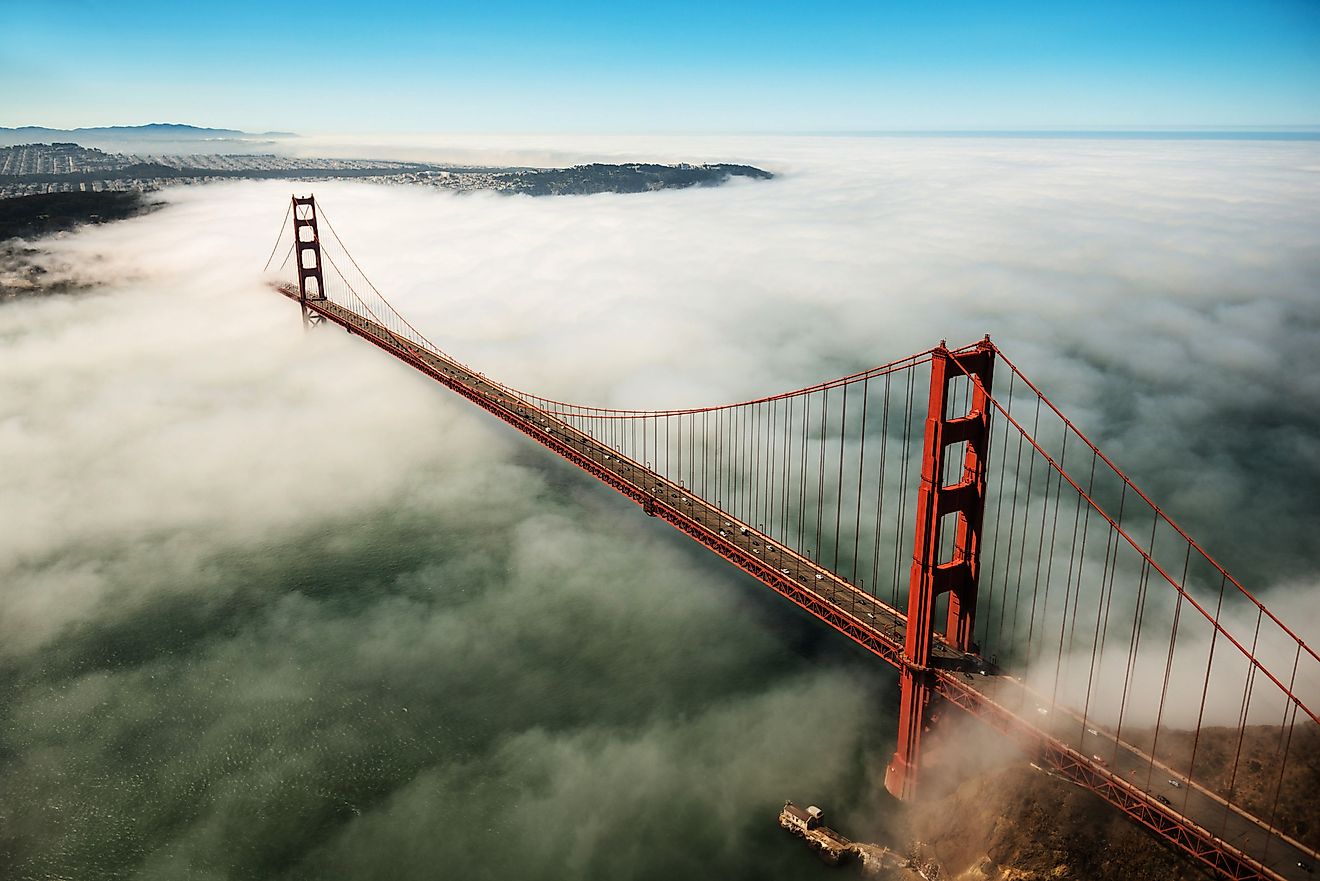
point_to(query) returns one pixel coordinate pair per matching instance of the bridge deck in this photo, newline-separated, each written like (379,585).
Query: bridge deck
(1196,820)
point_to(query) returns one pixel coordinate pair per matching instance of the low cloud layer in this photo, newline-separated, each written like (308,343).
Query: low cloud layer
(274,605)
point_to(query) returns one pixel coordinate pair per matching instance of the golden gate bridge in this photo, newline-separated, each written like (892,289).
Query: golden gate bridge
(941,512)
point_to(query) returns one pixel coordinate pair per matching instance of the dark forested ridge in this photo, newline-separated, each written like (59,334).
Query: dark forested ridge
(31,216)
(629,178)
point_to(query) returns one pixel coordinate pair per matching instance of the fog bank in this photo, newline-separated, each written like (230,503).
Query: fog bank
(275,606)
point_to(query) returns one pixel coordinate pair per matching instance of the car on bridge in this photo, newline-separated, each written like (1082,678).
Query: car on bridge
(978,663)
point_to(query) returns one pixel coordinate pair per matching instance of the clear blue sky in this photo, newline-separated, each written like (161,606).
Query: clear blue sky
(661,66)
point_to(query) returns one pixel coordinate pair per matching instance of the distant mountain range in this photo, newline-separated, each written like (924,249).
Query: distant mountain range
(157,137)
(172,131)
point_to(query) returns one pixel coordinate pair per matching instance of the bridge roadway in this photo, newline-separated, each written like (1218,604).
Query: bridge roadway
(1194,819)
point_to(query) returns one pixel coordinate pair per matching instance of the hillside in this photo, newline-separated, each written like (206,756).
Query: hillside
(1017,824)
(1002,820)
(32,216)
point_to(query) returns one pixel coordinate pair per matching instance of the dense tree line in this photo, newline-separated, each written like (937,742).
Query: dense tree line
(32,216)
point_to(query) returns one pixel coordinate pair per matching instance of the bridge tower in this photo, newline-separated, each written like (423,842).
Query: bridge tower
(307,240)
(931,577)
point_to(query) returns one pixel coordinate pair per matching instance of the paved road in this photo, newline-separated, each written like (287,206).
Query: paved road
(1059,723)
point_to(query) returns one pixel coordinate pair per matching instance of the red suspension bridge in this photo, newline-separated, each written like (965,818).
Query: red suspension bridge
(941,512)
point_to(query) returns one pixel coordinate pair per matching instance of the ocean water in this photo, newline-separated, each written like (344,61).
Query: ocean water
(410,693)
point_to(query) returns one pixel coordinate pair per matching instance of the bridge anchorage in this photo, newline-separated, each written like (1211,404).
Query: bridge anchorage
(941,512)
